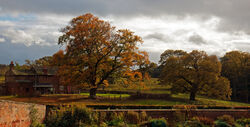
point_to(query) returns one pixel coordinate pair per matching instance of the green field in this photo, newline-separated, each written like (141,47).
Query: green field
(108,95)
(121,99)
(174,101)
(125,99)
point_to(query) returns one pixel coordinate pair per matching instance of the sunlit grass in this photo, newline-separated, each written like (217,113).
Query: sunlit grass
(200,100)
(7,97)
(108,95)
(187,102)
(2,79)
(148,102)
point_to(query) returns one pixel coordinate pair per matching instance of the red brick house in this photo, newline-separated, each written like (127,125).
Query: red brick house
(32,83)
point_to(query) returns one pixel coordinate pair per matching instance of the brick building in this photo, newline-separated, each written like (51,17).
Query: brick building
(31,82)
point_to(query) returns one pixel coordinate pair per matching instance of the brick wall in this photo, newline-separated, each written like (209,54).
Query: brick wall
(16,114)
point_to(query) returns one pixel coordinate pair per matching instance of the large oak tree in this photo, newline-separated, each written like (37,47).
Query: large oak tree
(96,52)
(194,72)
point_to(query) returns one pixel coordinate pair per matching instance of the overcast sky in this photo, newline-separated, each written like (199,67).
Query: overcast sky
(29,29)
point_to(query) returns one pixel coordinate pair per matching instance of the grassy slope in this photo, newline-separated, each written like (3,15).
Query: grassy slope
(180,99)
(176,99)
(108,95)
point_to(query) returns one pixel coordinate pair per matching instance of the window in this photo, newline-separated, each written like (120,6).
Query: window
(27,90)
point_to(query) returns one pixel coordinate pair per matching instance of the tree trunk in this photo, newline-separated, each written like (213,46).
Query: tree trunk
(246,82)
(192,96)
(92,93)
(234,89)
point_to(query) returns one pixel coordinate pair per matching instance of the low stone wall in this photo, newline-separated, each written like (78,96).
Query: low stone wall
(17,114)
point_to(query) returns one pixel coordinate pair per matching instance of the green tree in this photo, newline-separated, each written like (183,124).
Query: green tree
(194,72)
(96,51)
(236,67)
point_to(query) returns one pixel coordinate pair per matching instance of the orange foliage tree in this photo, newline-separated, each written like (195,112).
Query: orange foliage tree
(96,51)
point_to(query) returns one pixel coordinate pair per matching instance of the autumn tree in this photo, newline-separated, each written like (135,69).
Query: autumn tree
(41,62)
(194,72)
(58,59)
(152,69)
(236,67)
(96,51)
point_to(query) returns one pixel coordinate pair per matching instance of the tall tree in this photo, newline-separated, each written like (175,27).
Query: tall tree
(194,72)
(96,51)
(41,62)
(236,67)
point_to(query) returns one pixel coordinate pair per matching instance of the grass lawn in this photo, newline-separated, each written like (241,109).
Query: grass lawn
(180,99)
(108,95)
(176,99)
(148,102)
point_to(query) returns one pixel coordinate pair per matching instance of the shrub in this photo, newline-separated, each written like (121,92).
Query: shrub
(115,119)
(103,124)
(116,123)
(193,124)
(206,120)
(219,123)
(34,117)
(243,121)
(143,116)
(102,116)
(178,117)
(132,117)
(158,123)
(226,118)
(69,116)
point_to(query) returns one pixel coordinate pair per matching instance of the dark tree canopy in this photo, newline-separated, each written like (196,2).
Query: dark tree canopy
(236,67)
(194,72)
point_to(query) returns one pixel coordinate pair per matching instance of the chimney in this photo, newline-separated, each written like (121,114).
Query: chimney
(11,65)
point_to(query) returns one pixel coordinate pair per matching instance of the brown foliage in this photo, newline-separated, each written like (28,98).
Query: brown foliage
(96,52)
(194,72)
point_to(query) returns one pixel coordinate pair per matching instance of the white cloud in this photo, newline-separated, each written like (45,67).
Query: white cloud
(42,30)
(4,24)
(158,33)
(165,24)
(188,33)
(2,40)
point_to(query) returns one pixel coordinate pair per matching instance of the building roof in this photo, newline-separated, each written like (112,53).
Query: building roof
(32,71)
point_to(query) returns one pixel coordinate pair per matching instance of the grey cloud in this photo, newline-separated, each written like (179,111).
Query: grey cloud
(197,39)
(154,56)
(158,36)
(234,13)
(39,31)
(242,43)
(19,52)
(242,46)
